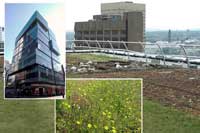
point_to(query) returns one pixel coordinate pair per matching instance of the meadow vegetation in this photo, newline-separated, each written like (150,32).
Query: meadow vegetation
(100,106)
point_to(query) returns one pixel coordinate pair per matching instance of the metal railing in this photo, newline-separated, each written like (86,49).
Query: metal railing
(114,46)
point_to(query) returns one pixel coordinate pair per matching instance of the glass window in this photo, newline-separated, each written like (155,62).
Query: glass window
(115,32)
(29,60)
(114,39)
(43,59)
(20,40)
(57,66)
(55,57)
(43,38)
(55,46)
(106,38)
(42,30)
(93,32)
(51,35)
(107,32)
(20,76)
(86,32)
(123,32)
(31,34)
(99,38)
(45,74)
(100,32)
(43,55)
(34,69)
(59,78)
(32,75)
(44,48)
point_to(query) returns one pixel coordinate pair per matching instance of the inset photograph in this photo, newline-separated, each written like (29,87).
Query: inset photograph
(34,43)
(100,105)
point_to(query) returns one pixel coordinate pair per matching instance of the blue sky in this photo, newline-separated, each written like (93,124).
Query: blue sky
(17,15)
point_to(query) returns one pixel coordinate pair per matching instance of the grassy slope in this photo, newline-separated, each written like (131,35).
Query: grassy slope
(161,119)
(75,58)
(26,116)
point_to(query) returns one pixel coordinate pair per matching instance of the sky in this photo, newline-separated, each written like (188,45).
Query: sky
(17,15)
(160,14)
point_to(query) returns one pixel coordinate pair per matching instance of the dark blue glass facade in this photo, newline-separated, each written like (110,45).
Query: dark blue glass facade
(36,56)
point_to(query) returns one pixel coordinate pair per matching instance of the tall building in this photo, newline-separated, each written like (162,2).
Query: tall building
(1,50)
(36,67)
(169,36)
(120,21)
(1,33)
(1,40)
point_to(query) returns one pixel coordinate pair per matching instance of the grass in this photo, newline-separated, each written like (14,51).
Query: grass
(161,119)
(84,57)
(100,106)
(26,116)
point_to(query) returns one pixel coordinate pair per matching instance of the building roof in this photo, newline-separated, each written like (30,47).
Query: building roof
(120,7)
(35,16)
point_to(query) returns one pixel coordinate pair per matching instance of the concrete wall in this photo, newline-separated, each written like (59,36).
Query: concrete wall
(100,30)
(135,30)
(120,8)
(128,25)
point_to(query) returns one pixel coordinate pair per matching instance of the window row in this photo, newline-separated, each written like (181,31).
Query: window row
(43,59)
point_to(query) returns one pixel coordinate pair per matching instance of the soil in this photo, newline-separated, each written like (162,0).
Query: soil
(179,88)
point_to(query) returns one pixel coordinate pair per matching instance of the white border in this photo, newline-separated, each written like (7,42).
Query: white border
(55,115)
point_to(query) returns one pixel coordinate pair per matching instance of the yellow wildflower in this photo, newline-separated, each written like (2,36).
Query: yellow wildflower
(89,125)
(66,105)
(103,113)
(106,127)
(114,131)
(95,126)
(78,122)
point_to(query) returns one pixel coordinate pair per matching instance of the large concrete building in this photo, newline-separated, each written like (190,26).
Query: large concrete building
(36,68)
(120,21)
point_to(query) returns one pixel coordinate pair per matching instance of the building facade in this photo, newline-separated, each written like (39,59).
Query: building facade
(1,50)
(36,68)
(1,40)
(121,21)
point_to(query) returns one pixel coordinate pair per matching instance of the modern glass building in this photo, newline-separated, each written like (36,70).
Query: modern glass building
(36,68)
